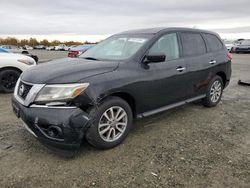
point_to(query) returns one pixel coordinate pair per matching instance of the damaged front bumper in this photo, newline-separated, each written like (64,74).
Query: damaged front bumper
(59,128)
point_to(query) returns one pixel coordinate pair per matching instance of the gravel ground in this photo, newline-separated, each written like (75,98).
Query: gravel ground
(191,146)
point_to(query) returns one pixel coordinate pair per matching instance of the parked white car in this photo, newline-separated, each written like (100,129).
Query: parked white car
(49,48)
(11,67)
(62,47)
(14,49)
(229,45)
(27,47)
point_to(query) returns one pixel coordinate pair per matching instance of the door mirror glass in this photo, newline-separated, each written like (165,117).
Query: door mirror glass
(155,58)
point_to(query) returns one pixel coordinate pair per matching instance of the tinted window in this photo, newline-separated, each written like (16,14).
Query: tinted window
(213,43)
(6,47)
(193,44)
(245,42)
(13,47)
(168,45)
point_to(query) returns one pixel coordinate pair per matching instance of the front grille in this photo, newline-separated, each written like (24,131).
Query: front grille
(23,90)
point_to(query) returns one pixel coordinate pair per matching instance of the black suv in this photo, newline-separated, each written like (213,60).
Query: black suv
(130,75)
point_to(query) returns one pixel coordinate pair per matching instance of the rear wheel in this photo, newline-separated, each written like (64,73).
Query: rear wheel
(8,79)
(214,92)
(111,123)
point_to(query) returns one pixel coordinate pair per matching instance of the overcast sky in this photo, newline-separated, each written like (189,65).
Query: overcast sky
(96,19)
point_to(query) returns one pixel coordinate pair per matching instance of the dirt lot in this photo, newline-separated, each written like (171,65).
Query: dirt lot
(191,146)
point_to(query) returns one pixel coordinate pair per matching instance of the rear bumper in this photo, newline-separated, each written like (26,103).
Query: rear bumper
(70,124)
(227,83)
(228,75)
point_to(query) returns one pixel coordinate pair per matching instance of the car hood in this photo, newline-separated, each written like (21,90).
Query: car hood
(13,56)
(67,70)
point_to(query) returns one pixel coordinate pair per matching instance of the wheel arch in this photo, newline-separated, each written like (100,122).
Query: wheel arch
(223,77)
(125,96)
(12,68)
(2,89)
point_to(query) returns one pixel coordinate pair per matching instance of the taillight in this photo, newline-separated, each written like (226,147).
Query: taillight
(73,53)
(230,56)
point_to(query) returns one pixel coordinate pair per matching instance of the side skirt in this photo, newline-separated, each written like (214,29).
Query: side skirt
(168,107)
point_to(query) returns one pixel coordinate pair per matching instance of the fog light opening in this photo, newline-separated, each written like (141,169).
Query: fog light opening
(55,132)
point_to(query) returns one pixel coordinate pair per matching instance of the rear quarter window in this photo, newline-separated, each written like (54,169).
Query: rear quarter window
(213,43)
(192,44)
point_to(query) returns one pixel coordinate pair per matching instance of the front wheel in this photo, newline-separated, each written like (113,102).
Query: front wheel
(8,79)
(214,92)
(111,123)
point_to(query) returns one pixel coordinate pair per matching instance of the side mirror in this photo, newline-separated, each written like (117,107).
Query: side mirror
(155,58)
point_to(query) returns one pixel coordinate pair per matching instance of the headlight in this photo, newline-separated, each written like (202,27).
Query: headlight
(27,62)
(60,92)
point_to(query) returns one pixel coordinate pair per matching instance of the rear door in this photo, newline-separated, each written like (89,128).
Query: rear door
(217,52)
(197,60)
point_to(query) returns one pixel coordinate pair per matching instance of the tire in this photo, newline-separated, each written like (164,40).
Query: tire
(25,52)
(8,79)
(104,136)
(214,92)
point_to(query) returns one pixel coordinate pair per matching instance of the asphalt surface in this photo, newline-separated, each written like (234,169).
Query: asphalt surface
(190,146)
(45,55)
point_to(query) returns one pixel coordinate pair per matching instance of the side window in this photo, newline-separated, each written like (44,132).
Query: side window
(167,44)
(193,44)
(213,43)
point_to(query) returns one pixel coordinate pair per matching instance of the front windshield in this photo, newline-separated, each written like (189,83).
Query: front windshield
(115,48)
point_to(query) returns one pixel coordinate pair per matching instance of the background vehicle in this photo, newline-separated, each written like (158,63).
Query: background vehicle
(14,49)
(49,48)
(229,45)
(11,66)
(40,47)
(24,52)
(78,50)
(2,50)
(61,47)
(243,46)
(133,74)
(73,46)
(27,47)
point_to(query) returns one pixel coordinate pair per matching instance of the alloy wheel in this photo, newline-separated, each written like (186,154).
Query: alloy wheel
(215,91)
(113,123)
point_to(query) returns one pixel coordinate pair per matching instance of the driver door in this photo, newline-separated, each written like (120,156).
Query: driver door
(163,83)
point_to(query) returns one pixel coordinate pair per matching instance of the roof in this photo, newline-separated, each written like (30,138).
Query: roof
(161,29)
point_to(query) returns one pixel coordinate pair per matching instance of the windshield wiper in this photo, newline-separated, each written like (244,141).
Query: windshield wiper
(91,58)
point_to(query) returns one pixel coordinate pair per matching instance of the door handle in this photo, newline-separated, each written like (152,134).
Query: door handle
(180,69)
(212,62)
